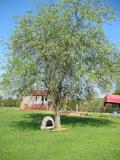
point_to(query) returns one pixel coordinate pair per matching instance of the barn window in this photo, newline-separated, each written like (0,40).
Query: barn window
(42,98)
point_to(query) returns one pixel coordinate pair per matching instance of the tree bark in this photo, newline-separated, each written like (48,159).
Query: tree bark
(57,118)
(77,108)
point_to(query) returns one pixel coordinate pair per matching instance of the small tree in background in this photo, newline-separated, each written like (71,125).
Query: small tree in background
(59,47)
(117,90)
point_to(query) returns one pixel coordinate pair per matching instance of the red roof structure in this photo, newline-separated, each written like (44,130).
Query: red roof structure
(42,92)
(39,92)
(112,99)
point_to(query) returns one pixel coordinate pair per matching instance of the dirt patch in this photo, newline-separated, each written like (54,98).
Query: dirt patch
(60,129)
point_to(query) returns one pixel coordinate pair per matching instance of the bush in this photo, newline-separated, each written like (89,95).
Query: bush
(9,102)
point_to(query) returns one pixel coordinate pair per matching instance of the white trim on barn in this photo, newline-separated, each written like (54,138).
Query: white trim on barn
(36,100)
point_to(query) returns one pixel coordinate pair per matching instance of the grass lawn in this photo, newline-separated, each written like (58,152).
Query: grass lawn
(87,138)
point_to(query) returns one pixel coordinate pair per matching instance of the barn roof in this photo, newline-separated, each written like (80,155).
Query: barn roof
(42,92)
(112,98)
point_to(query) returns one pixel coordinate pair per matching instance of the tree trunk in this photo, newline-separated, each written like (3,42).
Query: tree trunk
(57,118)
(77,108)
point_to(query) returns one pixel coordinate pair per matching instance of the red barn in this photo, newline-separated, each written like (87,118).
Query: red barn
(38,99)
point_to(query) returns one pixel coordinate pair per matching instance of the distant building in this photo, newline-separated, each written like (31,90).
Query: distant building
(114,100)
(38,99)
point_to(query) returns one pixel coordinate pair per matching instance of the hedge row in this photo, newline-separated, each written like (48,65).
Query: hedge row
(9,102)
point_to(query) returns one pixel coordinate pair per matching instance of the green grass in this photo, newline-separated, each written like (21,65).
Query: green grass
(87,138)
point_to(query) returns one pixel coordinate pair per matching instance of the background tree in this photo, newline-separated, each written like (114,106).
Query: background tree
(117,89)
(61,46)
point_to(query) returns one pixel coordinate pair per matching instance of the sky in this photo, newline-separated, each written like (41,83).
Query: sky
(11,8)
(113,30)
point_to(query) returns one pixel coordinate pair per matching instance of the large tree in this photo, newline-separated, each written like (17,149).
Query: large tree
(62,47)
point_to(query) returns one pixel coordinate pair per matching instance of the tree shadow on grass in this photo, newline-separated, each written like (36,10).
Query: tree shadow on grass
(85,121)
(33,121)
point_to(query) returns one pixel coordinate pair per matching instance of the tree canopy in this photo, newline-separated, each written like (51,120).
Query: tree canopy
(62,47)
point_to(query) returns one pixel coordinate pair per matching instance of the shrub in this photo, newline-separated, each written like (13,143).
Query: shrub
(9,102)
